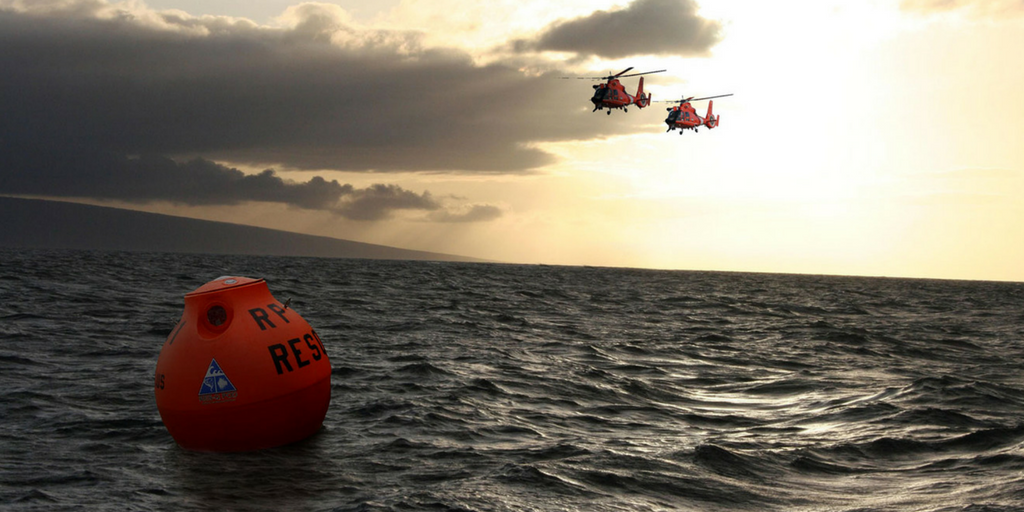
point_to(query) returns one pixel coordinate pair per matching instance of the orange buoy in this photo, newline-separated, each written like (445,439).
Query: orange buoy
(241,371)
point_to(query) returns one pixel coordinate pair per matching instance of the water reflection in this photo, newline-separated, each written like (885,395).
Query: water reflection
(285,478)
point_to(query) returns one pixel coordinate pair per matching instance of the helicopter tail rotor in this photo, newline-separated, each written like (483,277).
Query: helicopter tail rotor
(642,100)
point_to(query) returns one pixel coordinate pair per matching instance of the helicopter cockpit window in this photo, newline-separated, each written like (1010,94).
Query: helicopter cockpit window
(674,115)
(600,93)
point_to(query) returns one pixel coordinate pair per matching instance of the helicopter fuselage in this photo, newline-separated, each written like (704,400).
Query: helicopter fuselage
(685,117)
(612,95)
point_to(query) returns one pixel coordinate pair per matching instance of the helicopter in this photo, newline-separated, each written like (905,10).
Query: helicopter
(684,116)
(612,94)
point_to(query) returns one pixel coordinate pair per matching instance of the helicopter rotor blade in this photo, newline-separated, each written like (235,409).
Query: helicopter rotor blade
(692,99)
(709,97)
(680,101)
(638,74)
(609,77)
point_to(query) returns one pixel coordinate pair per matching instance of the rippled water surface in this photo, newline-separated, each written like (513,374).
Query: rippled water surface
(510,387)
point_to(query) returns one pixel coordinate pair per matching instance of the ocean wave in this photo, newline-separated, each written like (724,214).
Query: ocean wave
(507,387)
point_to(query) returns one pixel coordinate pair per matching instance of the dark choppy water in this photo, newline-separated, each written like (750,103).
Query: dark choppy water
(505,387)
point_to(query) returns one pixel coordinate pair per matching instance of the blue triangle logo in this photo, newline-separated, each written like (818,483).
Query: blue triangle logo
(215,381)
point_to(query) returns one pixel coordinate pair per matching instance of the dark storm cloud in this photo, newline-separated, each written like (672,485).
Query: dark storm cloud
(645,27)
(87,86)
(88,173)
(320,95)
(377,201)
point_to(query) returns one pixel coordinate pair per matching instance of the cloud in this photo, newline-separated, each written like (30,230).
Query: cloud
(645,27)
(321,94)
(476,213)
(976,187)
(75,172)
(981,8)
(377,201)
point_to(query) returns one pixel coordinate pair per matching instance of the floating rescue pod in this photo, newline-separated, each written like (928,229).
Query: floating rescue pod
(241,371)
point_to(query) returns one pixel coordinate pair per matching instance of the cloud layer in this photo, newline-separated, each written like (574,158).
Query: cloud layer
(319,95)
(88,86)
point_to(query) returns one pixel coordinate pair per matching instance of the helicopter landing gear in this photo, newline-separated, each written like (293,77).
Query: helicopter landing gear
(625,110)
(609,112)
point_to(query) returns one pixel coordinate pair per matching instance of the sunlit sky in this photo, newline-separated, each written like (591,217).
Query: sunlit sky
(876,138)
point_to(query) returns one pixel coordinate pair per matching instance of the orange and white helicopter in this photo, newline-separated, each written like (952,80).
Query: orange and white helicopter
(684,116)
(612,94)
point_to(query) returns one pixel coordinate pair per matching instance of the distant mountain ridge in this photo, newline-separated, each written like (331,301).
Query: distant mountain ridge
(42,224)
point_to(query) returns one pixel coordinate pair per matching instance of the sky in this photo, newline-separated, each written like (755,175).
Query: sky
(869,137)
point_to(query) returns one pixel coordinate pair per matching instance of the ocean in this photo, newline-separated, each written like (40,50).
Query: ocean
(494,387)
